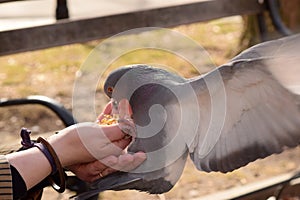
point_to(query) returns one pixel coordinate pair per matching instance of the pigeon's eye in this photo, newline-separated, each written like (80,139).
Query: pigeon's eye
(110,89)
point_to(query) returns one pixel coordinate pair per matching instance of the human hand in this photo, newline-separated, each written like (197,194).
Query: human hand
(92,171)
(86,142)
(97,169)
(120,114)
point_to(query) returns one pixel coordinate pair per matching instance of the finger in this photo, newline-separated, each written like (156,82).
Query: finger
(108,108)
(127,126)
(115,148)
(134,162)
(113,132)
(106,111)
(99,169)
(123,143)
(102,167)
(128,162)
(102,174)
(96,177)
(139,158)
(108,161)
(98,166)
(124,162)
(108,171)
(89,171)
(125,110)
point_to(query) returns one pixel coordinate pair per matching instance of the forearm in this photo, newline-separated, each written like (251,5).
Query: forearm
(77,144)
(32,165)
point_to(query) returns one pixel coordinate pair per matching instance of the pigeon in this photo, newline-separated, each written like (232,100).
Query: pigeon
(244,110)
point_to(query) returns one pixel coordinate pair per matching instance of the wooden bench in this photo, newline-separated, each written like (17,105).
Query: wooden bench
(77,31)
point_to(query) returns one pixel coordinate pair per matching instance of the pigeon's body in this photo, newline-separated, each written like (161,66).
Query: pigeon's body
(158,179)
(243,111)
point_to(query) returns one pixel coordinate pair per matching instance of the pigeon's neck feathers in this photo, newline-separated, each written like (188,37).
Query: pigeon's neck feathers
(157,75)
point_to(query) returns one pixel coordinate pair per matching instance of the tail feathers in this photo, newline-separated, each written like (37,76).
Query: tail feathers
(115,181)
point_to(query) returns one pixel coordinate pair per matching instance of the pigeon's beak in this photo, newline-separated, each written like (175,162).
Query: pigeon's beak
(114,106)
(122,111)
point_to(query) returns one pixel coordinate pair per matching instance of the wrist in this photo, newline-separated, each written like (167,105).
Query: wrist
(62,145)
(57,178)
(68,147)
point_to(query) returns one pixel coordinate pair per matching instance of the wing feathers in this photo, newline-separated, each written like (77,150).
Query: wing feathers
(262,118)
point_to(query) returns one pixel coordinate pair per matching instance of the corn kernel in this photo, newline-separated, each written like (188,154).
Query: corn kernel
(109,119)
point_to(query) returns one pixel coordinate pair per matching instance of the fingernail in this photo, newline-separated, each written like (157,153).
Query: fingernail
(142,155)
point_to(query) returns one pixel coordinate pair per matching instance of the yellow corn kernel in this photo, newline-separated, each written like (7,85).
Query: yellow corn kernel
(109,119)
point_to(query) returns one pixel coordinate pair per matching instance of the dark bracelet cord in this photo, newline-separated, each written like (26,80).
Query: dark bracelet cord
(61,185)
(57,177)
(48,155)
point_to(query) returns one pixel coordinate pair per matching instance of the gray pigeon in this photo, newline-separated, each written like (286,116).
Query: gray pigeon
(242,111)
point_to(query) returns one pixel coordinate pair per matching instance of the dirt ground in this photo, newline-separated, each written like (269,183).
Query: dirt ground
(33,75)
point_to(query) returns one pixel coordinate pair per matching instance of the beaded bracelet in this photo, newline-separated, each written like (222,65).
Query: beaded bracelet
(57,172)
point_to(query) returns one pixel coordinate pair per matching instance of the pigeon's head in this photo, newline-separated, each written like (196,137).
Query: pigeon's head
(125,81)
(113,79)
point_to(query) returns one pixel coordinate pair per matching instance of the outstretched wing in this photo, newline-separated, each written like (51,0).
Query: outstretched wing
(260,115)
(281,57)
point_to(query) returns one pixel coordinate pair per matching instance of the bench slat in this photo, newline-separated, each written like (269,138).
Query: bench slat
(258,190)
(77,31)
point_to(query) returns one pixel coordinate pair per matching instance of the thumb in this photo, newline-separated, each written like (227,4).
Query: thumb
(125,110)
(106,111)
